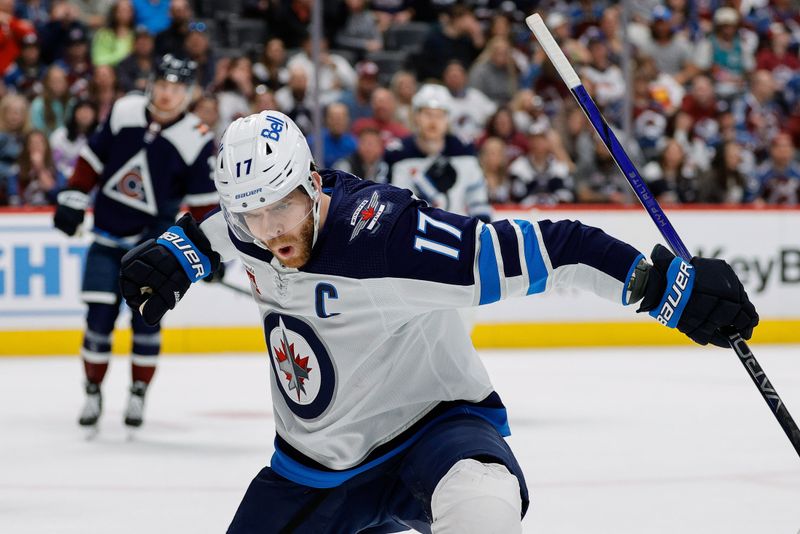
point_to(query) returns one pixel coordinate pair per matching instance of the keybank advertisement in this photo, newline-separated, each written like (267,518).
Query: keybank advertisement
(40,270)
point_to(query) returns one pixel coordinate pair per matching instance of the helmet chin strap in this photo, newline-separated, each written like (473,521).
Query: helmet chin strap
(316,219)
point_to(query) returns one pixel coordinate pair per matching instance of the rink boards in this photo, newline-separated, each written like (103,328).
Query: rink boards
(41,312)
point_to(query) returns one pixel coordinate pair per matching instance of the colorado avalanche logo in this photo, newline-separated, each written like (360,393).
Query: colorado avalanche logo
(302,366)
(131,184)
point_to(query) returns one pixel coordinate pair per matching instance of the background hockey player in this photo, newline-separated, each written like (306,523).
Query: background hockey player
(434,164)
(385,416)
(148,158)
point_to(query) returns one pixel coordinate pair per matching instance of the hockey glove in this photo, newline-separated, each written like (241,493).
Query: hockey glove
(441,174)
(217,275)
(71,207)
(698,298)
(157,273)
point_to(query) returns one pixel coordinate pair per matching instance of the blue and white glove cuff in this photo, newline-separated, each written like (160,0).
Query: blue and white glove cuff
(680,281)
(196,264)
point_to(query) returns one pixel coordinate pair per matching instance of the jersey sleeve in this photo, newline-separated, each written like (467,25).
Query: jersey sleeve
(441,260)
(92,158)
(215,229)
(201,195)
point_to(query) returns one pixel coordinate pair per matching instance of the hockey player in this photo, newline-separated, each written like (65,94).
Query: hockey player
(148,158)
(386,418)
(434,164)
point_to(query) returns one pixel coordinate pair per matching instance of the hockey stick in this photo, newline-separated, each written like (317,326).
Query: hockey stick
(233,287)
(570,77)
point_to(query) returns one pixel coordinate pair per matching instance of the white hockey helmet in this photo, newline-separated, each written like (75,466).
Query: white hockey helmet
(260,161)
(432,96)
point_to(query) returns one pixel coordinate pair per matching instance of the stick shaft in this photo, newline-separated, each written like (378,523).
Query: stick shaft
(234,287)
(650,204)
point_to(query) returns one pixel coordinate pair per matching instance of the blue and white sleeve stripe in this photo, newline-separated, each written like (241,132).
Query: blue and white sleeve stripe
(537,270)
(490,262)
(520,257)
(510,261)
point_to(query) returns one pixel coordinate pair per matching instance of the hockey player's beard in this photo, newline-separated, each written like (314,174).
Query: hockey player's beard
(300,241)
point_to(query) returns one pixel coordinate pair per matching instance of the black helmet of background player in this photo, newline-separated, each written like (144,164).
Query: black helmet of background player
(170,89)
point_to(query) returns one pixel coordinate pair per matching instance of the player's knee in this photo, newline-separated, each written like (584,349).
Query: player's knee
(101,317)
(475,497)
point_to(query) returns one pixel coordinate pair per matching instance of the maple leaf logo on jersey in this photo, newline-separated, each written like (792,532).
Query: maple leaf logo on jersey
(366,215)
(303,373)
(295,368)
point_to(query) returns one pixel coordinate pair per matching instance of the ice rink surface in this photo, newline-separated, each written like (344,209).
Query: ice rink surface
(616,441)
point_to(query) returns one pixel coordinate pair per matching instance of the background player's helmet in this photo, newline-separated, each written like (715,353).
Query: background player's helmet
(175,70)
(432,96)
(262,159)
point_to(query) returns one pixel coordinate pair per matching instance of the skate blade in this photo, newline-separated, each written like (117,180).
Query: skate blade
(90,432)
(132,432)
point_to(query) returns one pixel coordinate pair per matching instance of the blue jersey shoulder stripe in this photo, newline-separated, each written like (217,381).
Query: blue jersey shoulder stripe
(537,270)
(487,268)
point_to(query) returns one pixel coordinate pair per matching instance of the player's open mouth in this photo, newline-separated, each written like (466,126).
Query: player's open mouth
(285,251)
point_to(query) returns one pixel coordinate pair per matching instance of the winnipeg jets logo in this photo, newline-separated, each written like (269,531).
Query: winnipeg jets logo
(367,215)
(302,369)
(293,366)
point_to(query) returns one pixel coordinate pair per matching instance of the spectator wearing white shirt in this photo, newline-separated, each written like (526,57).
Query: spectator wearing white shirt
(335,77)
(470,107)
(538,177)
(294,98)
(605,78)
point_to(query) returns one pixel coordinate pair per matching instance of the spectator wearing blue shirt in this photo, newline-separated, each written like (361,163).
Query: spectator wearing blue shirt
(35,12)
(153,14)
(337,140)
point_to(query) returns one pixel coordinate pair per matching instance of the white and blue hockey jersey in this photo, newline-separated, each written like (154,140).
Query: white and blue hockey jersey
(452,180)
(143,173)
(365,343)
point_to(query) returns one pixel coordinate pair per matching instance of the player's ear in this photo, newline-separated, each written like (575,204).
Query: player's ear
(317,180)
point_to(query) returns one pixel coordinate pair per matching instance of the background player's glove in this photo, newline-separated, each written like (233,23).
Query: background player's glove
(442,174)
(698,297)
(71,207)
(157,273)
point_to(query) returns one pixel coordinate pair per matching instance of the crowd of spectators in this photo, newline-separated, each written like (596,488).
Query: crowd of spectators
(715,87)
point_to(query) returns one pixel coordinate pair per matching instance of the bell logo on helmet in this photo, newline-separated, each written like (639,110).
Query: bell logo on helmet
(274,130)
